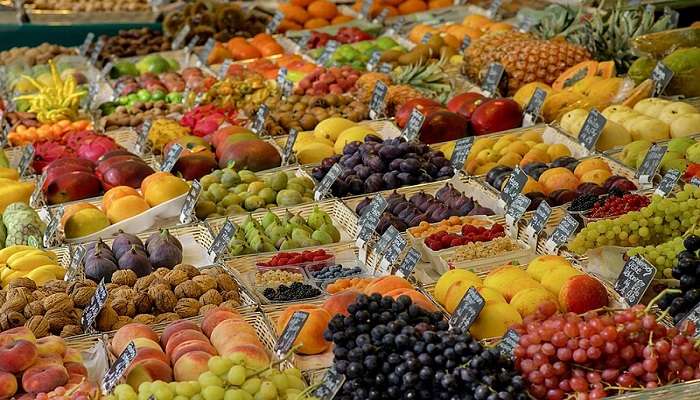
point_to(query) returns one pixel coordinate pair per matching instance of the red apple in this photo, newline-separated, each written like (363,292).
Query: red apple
(423,105)
(442,126)
(496,115)
(459,101)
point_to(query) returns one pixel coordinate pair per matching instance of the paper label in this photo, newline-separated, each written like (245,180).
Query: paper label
(303,42)
(385,68)
(516,210)
(381,17)
(117,370)
(281,76)
(89,316)
(493,78)
(331,384)
(694,317)
(76,258)
(274,23)
(376,104)
(35,198)
(291,332)
(398,24)
(83,49)
(508,343)
(104,73)
(328,51)
(533,107)
(650,164)
(426,38)
(591,129)
(525,24)
(467,310)
(171,157)
(414,125)
(661,75)
(461,152)
(288,154)
(179,39)
(140,144)
(370,217)
(52,227)
(325,185)
(514,185)
(493,8)
(668,182)
(190,202)
(192,43)
(259,121)
(221,240)
(634,279)
(97,50)
(208,47)
(673,16)
(26,160)
(695,181)
(540,218)
(405,269)
(567,226)
(395,249)
(387,237)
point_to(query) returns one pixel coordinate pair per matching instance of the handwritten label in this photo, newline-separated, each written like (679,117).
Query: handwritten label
(366,7)
(414,125)
(693,316)
(304,38)
(117,370)
(461,152)
(97,50)
(673,16)
(567,226)
(76,258)
(514,185)
(192,43)
(668,182)
(221,240)
(695,181)
(190,202)
(179,39)
(468,310)
(171,157)
(87,320)
(533,107)
(516,210)
(385,68)
(508,343)
(223,70)
(52,227)
(591,129)
(650,164)
(426,38)
(140,144)
(634,279)
(381,17)
(465,44)
(260,117)
(540,218)
(373,61)
(493,8)
(328,52)
(288,154)
(493,78)
(83,49)
(661,75)
(405,269)
(291,332)
(369,220)
(387,237)
(376,103)
(395,249)
(281,76)
(274,23)
(398,24)
(104,72)
(325,185)
(26,160)
(331,384)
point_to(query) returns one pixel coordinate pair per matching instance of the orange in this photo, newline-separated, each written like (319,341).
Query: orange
(341,19)
(439,4)
(323,9)
(270,48)
(295,13)
(301,3)
(499,26)
(412,6)
(245,52)
(288,25)
(417,32)
(315,23)
(476,21)
(115,193)
(261,38)
(452,41)
(460,31)
(393,2)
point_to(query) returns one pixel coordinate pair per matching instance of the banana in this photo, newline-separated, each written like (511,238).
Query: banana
(8,251)
(23,253)
(57,271)
(9,277)
(29,262)
(41,275)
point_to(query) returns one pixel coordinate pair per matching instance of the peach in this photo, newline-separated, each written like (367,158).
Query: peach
(490,295)
(182,337)
(219,336)
(174,327)
(561,180)
(75,369)
(509,280)
(51,345)
(311,335)
(191,365)
(148,370)
(597,176)
(556,278)
(254,357)
(148,352)
(26,396)
(450,277)
(590,164)
(162,188)
(236,337)
(128,332)
(582,293)
(141,343)
(17,355)
(494,321)
(416,297)
(21,332)
(44,378)
(8,385)
(530,300)
(339,302)
(386,284)
(191,345)
(542,265)
(214,317)
(48,359)
(72,355)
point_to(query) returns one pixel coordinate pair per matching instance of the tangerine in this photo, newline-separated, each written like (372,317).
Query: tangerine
(476,21)
(339,19)
(500,27)
(412,6)
(314,23)
(392,2)
(295,13)
(245,52)
(439,4)
(301,3)
(270,48)
(288,25)
(323,9)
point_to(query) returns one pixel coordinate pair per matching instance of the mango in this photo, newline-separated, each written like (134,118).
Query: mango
(85,222)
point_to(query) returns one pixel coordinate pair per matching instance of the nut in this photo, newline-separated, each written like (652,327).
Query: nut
(187,307)
(58,319)
(161,272)
(191,270)
(206,282)
(146,319)
(11,320)
(225,283)
(144,283)
(206,308)
(22,282)
(106,318)
(40,294)
(165,301)
(124,292)
(71,330)
(142,303)
(34,308)
(188,289)
(16,301)
(230,304)
(124,277)
(83,295)
(156,289)
(80,284)
(38,325)
(212,296)
(59,301)
(232,296)
(124,307)
(56,286)
(111,286)
(176,277)
(167,317)
(121,321)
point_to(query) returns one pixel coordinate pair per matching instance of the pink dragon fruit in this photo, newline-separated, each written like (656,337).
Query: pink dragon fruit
(94,149)
(74,139)
(208,124)
(46,152)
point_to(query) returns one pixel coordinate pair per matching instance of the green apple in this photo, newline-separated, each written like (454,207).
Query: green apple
(692,153)
(680,144)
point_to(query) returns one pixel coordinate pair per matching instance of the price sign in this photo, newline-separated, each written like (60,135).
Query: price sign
(465,44)
(461,152)
(668,182)
(208,47)
(650,164)
(289,146)
(508,343)
(516,210)
(493,8)
(274,23)
(260,117)
(35,198)
(140,144)
(661,75)
(394,250)
(281,76)
(76,258)
(376,103)
(328,52)
(694,317)
(291,332)
(26,160)
(117,370)
(538,222)
(381,17)
(191,44)
(366,7)
(87,320)
(369,219)
(515,184)
(179,39)
(221,240)
(426,38)
(190,202)
(331,384)
(533,107)
(387,237)
(525,24)
(414,125)
(467,310)
(373,61)
(223,70)
(304,38)
(591,129)
(398,24)
(52,228)
(567,226)
(97,50)
(83,49)
(405,269)
(673,16)
(325,185)
(385,68)
(695,181)
(493,78)
(634,279)
(171,157)
(287,87)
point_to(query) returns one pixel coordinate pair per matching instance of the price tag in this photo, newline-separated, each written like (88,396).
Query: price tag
(538,222)
(140,144)
(259,121)
(287,88)
(76,258)
(83,49)
(526,23)
(673,16)
(651,162)
(426,38)
(694,317)
(52,228)
(398,24)
(35,198)
(508,343)
(533,107)
(97,50)
(493,8)
(461,152)
(330,49)
(634,279)
(661,75)
(373,61)
(26,160)
(366,8)
(281,76)
(117,370)
(381,17)
(369,219)
(591,129)
(171,157)
(330,386)
(304,38)
(288,153)
(515,212)
(274,23)
(387,237)
(190,202)
(465,44)
(668,182)
(405,269)
(376,103)
(493,78)
(224,68)
(325,185)
(567,226)
(87,320)
(414,125)
(208,47)
(179,39)
(393,251)
(467,310)
(695,181)
(104,73)
(221,240)
(515,184)
(191,44)
(291,332)
(385,68)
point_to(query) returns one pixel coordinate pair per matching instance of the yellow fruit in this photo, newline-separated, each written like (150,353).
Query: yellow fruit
(331,128)
(85,222)
(542,265)
(22,253)
(41,275)
(354,133)
(531,136)
(494,321)
(126,207)
(9,173)
(584,85)
(314,153)
(522,96)
(164,188)
(529,300)
(450,277)
(29,262)
(558,150)
(13,192)
(555,279)
(9,251)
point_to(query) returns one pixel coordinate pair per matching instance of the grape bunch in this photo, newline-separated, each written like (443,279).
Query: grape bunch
(600,354)
(662,220)
(393,349)
(661,256)
(687,271)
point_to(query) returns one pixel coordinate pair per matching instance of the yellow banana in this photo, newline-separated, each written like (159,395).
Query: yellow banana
(57,271)
(42,275)
(29,262)
(9,277)
(23,253)
(8,251)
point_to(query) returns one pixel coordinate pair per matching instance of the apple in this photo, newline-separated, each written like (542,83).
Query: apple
(442,126)
(496,115)
(404,112)
(461,100)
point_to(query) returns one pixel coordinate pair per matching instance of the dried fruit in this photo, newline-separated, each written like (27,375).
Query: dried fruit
(203,310)
(56,286)
(82,296)
(144,283)
(156,289)
(22,282)
(230,304)
(38,325)
(225,283)
(121,321)
(11,320)
(124,307)
(232,295)
(146,319)
(142,303)
(167,317)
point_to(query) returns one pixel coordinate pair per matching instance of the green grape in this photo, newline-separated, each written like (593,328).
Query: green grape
(145,387)
(292,393)
(213,393)
(268,391)
(209,379)
(295,382)
(238,358)
(237,394)
(252,386)
(219,365)
(197,396)
(163,393)
(293,372)
(144,395)
(280,381)
(125,392)
(187,389)
(236,375)
(178,397)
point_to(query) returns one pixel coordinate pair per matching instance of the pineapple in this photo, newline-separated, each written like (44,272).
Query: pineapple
(397,95)
(429,79)
(365,85)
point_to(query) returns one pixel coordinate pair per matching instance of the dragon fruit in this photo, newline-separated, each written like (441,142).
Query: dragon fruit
(47,152)
(95,148)
(208,124)
(74,139)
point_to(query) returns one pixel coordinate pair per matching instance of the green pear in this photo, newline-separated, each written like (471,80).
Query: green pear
(270,227)
(269,218)
(309,242)
(268,247)
(315,219)
(680,144)
(247,176)
(277,181)
(289,244)
(277,233)
(322,237)
(631,152)
(332,231)
(299,234)
(692,153)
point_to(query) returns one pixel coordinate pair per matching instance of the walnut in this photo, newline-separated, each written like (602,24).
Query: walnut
(155,290)
(81,283)
(34,308)
(144,283)
(187,307)
(167,317)
(124,307)
(124,292)
(83,295)
(124,277)
(191,271)
(60,301)
(230,304)
(111,286)
(3,294)
(176,277)
(22,282)
(121,321)
(106,318)
(57,319)
(203,310)
(214,271)
(142,303)
(206,282)
(39,325)
(71,330)
(16,301)
(12,319)
(233,295)
(225,283)
(56,286)
(188,289)
(212,296)
(146,319)
(165,301)
(161,272)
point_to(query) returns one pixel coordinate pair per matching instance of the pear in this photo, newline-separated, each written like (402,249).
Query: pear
(277,233)
(322,237)
(269,228)
(236,247)
(289,244)
(299,234)
(269,218)
(297,219)
(267,246)
(332,231)
(308,242)
(316,219)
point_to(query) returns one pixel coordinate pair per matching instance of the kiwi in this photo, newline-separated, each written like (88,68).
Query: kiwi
(419,54)
(391,55)
(435,43)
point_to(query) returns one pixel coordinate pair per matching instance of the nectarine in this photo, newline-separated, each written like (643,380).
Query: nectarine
(128,332)
(339,302)
(582,293)
(214,317)
(17,355)
(386,284)
(174,327)
(311,335)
